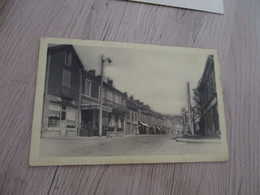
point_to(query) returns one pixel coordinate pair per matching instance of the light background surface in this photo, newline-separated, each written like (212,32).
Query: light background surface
(219,153)
(215,6)
(157,78)
(236,36)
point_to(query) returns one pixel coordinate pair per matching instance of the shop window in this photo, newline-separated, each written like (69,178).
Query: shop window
(70,117)
(54,116)
(54,122)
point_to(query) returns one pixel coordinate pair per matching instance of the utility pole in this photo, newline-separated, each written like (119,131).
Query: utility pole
(101,93)
(79,125)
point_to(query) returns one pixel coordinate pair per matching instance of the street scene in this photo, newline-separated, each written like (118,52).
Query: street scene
(144,111)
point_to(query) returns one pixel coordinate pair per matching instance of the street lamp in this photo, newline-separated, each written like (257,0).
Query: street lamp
(101,93)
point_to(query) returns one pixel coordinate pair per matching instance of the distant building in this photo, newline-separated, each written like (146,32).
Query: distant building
(132,117)
(115,99)
(209,99)
(149,121)
(173,124)
(61,97)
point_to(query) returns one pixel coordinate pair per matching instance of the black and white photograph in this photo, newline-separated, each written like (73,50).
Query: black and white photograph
(120,103)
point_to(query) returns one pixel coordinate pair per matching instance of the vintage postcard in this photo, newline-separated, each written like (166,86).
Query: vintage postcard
(120,103)
(215,6)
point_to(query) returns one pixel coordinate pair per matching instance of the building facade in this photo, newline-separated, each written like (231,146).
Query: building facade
(209,99)
(61,96)
(149,121)
(131,117)
(113,111)
(72,102)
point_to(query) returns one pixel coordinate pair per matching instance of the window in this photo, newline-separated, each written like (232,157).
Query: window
(66,78)
(63,113)
(117,99)
(88,87)
(109,96)
(68,58)
(70,117)
(104,94)
(54,115)
(113,97)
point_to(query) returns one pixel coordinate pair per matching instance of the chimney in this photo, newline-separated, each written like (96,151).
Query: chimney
(125,93)
(131,97)
(110,82)
(92,72)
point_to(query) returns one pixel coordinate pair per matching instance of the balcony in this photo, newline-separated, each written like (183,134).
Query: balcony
(67,93)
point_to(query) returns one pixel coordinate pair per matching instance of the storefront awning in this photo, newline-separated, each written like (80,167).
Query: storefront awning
(54,114)
(95,107)
(144,124)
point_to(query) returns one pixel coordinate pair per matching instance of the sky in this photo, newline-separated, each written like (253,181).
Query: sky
(157,77)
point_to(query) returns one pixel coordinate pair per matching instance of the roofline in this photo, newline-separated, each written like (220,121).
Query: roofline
(210,57)
(63,47)
(87,73)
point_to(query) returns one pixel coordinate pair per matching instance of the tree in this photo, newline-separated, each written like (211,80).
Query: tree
(197,108)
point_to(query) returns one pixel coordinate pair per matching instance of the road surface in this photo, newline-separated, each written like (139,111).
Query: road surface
(121,146)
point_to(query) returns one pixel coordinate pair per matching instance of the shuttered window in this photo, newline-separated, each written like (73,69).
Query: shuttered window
(66,79)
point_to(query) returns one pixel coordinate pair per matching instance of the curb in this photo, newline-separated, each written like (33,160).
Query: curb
(198,140)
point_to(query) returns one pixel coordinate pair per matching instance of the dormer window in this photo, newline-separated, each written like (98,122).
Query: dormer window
(68,58)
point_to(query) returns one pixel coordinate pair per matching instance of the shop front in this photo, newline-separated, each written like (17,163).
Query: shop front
(90,120)
(60,119)
(144,128)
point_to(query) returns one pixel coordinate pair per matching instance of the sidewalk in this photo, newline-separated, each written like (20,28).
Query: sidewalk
(100,138)
(104,137)
(198,140)
(76,137)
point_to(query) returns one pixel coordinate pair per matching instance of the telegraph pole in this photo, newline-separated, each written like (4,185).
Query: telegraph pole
(101,93)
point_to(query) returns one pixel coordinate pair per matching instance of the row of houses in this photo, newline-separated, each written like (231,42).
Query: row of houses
(71,102)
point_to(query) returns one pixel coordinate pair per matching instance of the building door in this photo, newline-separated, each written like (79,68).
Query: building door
(86,122)
(63,120)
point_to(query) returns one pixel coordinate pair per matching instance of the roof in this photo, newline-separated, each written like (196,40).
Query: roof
(59,48)
(209,65)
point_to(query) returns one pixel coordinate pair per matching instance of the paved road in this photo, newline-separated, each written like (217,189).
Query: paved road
(128,145)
